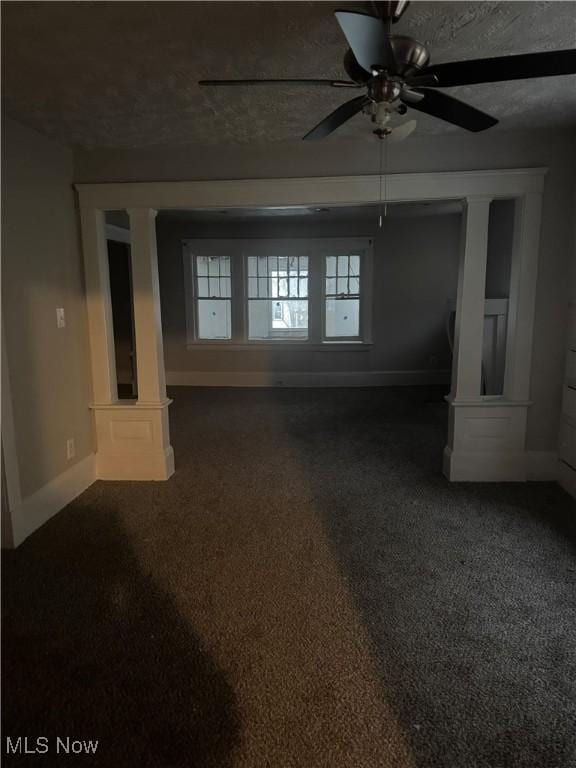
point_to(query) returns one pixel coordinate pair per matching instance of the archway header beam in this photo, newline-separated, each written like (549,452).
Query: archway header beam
(331,190)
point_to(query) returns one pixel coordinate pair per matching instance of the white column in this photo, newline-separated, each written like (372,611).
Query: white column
(469,326)
(132,438)
(99,306)
(523,278)
(147,319)
(487,435)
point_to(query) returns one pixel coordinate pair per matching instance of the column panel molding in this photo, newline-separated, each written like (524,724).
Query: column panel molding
(523,280)
(99,306)
(469,324)
(147,317)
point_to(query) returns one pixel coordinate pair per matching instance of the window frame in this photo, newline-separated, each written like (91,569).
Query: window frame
(317,249)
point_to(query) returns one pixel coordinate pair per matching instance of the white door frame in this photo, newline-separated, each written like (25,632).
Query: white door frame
(486,434)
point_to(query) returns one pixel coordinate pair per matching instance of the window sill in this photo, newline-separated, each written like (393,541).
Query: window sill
(293,346)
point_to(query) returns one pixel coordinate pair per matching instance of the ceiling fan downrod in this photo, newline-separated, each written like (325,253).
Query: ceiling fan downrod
(391,10)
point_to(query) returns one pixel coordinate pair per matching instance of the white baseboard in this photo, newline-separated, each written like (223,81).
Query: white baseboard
(305,378)
(542,466)
(475,466)
(38,508)
(483,467)
(150,465)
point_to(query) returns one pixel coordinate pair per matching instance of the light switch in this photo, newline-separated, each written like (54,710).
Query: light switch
(60,317)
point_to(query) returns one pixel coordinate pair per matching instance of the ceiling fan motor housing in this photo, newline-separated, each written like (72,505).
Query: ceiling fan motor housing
(410,56)
(384,90)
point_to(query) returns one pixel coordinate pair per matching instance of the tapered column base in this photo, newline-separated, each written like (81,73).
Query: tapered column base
(486,441)
(133,441)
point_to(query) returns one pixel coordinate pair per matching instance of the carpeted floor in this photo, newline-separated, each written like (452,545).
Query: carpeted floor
(306,592)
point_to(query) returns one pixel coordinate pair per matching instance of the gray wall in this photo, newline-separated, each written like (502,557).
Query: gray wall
(458,151)
(415,273)
(41,270)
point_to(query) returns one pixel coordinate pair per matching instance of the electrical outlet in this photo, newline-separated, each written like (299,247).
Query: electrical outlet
(60,317)
(70,448)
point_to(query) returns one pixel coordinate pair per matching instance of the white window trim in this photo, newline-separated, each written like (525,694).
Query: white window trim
(315,248)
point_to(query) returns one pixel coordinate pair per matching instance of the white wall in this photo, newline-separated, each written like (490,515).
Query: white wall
(42,270)
(457,151)
(415,273)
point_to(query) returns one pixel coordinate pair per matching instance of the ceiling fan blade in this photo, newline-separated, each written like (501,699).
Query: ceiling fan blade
(337,118)
(419,81)
(527,65)
(451,110)
(368,40)
(331,83)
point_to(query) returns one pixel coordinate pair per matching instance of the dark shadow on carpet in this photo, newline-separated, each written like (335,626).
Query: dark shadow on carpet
(93,649)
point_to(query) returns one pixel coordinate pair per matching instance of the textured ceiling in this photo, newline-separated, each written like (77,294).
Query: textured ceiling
(124,74)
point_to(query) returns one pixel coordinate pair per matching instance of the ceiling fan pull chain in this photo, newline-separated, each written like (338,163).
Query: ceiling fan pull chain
(383,178)
(380,183)
(386,175)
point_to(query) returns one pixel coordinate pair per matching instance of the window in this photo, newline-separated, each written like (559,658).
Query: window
(277,297)
(305,292)
(213,297)
(342,296)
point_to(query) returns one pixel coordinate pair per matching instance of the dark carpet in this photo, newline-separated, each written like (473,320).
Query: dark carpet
(307,591)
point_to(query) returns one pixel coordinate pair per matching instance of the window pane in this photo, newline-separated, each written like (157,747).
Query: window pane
(347,282)
(303,287)
(278,319)
(342,266)
(213,288)
(342,317)
(213,276)
(214,266)
(214,319)
(225,287)
(202,265)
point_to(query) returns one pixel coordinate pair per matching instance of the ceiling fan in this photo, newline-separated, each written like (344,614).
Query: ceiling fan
(394,73)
